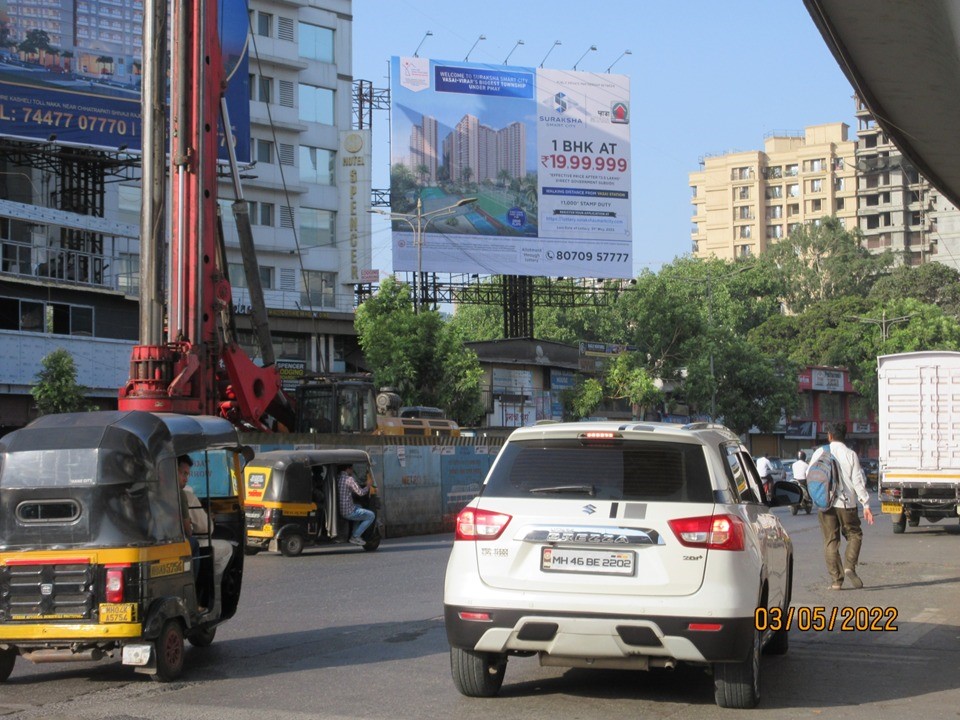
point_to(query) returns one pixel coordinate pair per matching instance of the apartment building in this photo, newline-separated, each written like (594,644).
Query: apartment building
(898,209)
(744,201)
(69,217)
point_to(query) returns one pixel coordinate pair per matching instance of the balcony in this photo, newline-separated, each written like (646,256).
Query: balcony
(63,266)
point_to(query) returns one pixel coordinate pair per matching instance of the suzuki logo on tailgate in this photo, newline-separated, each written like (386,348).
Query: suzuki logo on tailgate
(595,536)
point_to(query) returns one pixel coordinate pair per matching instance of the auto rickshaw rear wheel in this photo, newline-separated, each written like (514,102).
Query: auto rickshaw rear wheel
(169,651)
(202,637)
(292,544)
(7,659)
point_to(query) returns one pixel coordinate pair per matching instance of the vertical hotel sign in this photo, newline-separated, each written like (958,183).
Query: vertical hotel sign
(353,220)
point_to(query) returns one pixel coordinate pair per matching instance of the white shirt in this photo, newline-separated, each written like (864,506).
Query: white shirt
(764,467)
(852,486)
(800,470)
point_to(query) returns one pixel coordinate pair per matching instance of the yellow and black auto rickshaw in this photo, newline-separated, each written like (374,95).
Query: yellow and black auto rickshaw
(291,500)
(93,558)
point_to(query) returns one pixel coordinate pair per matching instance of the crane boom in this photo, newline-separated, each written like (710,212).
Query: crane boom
(199,368)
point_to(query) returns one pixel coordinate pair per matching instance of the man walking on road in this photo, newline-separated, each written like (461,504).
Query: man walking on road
(842,517)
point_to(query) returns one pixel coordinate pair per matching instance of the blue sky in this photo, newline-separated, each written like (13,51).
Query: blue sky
(706,77)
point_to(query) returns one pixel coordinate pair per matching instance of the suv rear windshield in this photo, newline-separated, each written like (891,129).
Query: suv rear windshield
(647,471)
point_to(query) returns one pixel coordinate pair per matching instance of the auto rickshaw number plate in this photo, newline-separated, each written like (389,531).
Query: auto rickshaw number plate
(892,508)
(118,612)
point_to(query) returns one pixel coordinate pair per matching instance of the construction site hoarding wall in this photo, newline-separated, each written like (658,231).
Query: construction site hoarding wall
(422,482)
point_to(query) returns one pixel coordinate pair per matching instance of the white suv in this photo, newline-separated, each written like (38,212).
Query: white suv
(612,545)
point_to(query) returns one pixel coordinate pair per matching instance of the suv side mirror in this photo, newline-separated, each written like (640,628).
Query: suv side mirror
(786,492)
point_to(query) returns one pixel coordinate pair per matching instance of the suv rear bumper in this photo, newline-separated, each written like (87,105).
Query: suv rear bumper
(598,635)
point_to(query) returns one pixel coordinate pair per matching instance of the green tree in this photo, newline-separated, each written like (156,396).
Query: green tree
(745,387)
(420,355)
(823,261)
(56,389)
(932,282)
(626,378)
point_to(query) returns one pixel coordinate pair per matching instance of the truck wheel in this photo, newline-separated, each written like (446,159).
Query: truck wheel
(291,545)
(7,659)
(168,649)
(737,684)
(793,509)
(477,674)
(899,523)
(913,520)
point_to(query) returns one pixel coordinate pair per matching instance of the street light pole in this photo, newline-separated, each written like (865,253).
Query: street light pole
(418,223)
(883,322)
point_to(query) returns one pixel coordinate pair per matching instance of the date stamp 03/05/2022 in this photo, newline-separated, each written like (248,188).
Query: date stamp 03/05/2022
(819,618)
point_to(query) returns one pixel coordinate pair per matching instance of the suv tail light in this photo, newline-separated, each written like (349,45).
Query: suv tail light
(114,585)
(475,524)
(714,532)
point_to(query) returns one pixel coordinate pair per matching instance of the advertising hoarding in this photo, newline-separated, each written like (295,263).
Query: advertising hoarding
(545,153)
(68,75)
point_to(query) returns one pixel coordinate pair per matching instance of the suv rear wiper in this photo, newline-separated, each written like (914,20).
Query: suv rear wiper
(573,489)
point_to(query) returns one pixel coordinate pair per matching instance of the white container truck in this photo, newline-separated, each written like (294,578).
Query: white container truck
(919,428)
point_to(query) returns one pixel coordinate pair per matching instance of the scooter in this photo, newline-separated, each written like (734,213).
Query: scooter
(806,504)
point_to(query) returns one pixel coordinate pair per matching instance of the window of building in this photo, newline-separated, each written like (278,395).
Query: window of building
(319,290)
(263,151)
(774,211)
(791,170)
(129,198)
(264,24)
(840,184)
(805,410)
(775,191)
(742,193)
(316,165)
(316,104)
(744,212)
(793,209)
(745,231)
(793,190)
(744,251)
(261,213)
(792,228)
(774,232)
(316,227)
(316,42)
(841,202)
(693,191)
(45,317)
(238,278)
(265,88)
(813,165)
(742,173)
(830,408)
(816,206)
(775,171)
(816,185)
(128,273)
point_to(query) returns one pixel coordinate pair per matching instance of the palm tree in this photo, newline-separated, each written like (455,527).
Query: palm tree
(423,171)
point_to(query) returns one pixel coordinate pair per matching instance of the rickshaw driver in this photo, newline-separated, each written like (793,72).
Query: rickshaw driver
(198,522)
(347,488)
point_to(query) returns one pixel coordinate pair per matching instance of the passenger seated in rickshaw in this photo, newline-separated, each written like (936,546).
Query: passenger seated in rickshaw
(198,523)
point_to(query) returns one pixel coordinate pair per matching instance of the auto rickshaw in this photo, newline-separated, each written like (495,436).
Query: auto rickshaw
(291,500)
(93,558)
